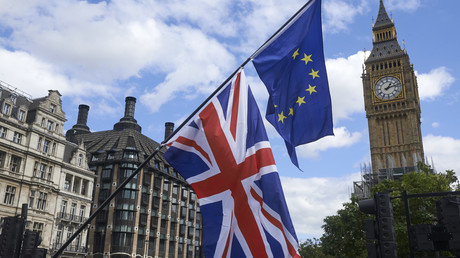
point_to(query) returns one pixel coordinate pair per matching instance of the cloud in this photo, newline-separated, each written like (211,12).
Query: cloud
(434,83)
(435,124)
(342,138)
(406,5)
(339,14)
(444,151)
(36,77)
(310,200)
(346,86)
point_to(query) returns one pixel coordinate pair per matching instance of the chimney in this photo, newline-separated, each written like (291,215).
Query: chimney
(169,129)
(130,106)
(80,127)
(82,114)
(128,121)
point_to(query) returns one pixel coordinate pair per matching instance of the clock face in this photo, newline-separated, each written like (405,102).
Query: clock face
(388,88)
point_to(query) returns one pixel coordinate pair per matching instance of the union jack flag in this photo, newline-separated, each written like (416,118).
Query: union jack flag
(225,155)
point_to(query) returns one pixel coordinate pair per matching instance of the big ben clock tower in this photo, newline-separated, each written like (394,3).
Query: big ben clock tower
(392,103)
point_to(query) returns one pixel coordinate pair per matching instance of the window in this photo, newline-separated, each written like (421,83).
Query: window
(63,207)
(49,126)
(15,163)
(80,159)
(76,185)
(59,235)
(21,115)
(6,109)
(17,137)
(56,129)
(41,202)
(53,149)
(2,158)
(68,179)
(3,131)
(39,145)
(73,208)
(42,124)
(9,195)
(130,155)
(50,173)
(42,171)
(38,227)
(82,212)
(84,187)
(31,198)
(52,108)
(46,145)
(35,168)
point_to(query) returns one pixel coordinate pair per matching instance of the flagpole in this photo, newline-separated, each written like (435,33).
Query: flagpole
(233,74)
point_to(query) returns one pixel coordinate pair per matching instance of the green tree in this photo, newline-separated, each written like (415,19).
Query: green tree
(344,234)
(312,248)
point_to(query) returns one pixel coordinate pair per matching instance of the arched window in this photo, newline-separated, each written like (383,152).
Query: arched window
(80,159)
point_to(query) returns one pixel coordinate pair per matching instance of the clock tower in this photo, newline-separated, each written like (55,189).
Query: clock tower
(392,103)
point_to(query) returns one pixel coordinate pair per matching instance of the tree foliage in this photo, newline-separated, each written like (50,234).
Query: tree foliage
(344,234)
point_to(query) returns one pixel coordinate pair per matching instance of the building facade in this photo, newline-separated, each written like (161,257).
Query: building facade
(32,166)
(156,214)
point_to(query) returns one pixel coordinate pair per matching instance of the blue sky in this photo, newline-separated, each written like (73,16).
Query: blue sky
(172,54)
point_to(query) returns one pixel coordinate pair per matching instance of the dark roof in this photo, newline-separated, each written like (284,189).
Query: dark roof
(382,20)
(385,50)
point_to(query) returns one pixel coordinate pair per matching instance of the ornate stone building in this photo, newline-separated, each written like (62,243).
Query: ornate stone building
(35,160)
(392,103)
(392,108)
(156,214)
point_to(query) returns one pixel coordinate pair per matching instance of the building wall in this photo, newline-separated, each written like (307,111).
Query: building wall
(32,146)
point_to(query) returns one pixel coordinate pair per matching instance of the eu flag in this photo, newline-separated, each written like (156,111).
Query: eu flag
(292,68)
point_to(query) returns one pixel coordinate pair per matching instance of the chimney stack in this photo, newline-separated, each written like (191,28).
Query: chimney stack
(80,127)
(82,114)
(128,121)
(169,129)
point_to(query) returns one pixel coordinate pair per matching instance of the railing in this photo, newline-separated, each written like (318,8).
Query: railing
(71,217)
(71,248)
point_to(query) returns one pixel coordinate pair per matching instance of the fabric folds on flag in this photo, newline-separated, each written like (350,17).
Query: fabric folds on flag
(225,155)
(293,69)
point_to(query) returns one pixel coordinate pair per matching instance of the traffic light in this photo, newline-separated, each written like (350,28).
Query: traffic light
(11,237)
(381,229)
(421,237)
(448,211)
(32,240)
(385,221)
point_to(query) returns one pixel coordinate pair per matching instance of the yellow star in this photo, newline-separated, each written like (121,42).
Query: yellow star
(291,112)
(276,105)
(281,117)
(300,100)
(296,53)
(314,73)
(306,58)
(311,89)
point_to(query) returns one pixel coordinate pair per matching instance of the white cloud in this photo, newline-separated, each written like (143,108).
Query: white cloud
(339,14)
(444,151)
(36,77)
(346,86)
(310,200)
(434,83)
(342,138)
(435,124)
(406,5)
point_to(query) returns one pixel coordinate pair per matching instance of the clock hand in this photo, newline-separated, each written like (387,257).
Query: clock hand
(389,86)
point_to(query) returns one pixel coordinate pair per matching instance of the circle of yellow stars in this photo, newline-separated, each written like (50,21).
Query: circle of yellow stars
(311,89)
